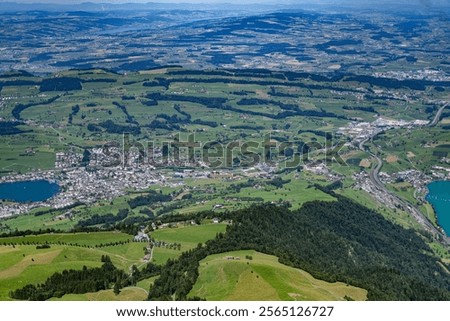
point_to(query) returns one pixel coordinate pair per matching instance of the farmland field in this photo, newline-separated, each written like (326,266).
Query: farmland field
(24,264)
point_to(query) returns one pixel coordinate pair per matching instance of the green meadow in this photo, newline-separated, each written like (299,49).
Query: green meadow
(188,236)
(24,264)
(232,276)
(126,294)
(21,263)
(79,239)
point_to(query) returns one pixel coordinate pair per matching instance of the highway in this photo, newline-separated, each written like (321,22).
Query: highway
(406,206)
(438,115)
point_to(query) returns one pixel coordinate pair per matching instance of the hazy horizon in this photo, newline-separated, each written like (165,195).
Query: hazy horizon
(426,3)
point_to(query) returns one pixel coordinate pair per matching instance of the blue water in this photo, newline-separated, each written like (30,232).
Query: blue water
(439,197)
(28,191)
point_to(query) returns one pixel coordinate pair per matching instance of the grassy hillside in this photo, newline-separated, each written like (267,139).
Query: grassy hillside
(81,239)
(263,278)
(188,236)
(22,263)
(126,294)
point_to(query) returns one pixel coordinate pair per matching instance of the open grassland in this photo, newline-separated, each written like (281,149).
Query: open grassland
(188,236)
(32,222)
(162,254)
(263,278)
(297,191)
(419,149)
(145,284)
(22,153)
(126,294)
(24,264)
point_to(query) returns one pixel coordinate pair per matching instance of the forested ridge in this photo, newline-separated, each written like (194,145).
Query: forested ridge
(337,241)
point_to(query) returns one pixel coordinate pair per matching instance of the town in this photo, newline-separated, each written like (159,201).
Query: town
(104,179)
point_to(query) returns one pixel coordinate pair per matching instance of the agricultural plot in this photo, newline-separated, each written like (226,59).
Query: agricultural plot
(24,265)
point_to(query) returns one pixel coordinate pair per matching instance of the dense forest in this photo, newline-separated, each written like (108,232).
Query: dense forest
(60,84)
(114,128)
(10,128)
(104,219)
(338,241)
(148,199)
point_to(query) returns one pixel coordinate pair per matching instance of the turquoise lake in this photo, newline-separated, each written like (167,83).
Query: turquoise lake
(28,191)
(439,197)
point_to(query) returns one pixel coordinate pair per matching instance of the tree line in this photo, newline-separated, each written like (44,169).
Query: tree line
(73,282)
(219,103)
(19,108)
(149,199)
(104,219)
(10,128)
